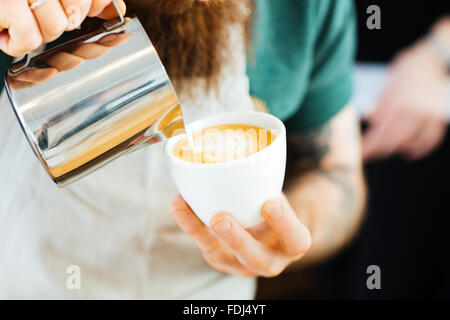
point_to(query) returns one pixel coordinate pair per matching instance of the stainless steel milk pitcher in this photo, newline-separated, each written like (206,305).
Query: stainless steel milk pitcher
(93,98)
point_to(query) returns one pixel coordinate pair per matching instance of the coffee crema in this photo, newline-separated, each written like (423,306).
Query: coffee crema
(223,143)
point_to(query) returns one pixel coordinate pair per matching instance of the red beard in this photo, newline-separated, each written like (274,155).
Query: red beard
(170,7)
(191,37)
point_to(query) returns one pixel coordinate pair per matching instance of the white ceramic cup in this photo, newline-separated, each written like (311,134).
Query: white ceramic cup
(239,187)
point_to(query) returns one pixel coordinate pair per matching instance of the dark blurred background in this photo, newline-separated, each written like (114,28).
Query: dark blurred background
(407,223)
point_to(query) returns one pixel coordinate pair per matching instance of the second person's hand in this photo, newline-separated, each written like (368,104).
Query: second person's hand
(24,28)
(410,118)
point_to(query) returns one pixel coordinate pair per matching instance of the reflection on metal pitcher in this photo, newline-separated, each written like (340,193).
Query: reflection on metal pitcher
(93,98)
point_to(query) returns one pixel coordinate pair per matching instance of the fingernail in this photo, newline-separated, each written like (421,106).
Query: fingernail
(274,209)
(180,216)
(222,226)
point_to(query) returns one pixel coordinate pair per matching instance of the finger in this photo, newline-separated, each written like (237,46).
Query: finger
(211,248)
(377,142)
(22,35)
(371,145)
(378,125)
(36,76)
(90,51)
(237,269)
(406,131)
(18,85)
(265,234)
(382,107)
(294,235)
(251,253)
(51,19)
(400,131)
(110,12)
(193,227)
(97,6)
(428,140)
(64,61)
(113,40)
(105,9)
(76,11)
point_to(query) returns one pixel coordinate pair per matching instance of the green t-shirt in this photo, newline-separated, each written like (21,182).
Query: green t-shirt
(303,54)
(301,60)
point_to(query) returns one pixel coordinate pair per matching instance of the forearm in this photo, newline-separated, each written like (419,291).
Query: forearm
(331,204)
(326,188)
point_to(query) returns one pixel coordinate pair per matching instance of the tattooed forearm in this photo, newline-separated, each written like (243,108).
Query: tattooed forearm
(306,151)
(324,182)
(342,178)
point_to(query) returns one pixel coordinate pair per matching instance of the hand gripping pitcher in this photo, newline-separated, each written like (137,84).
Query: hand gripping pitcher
(99,93)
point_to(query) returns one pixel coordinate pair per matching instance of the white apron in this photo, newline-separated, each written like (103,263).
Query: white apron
(114,224)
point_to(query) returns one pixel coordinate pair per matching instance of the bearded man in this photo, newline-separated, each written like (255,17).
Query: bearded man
(115,226)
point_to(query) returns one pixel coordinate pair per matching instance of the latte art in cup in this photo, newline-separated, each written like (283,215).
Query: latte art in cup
(235,162)
(223,143)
